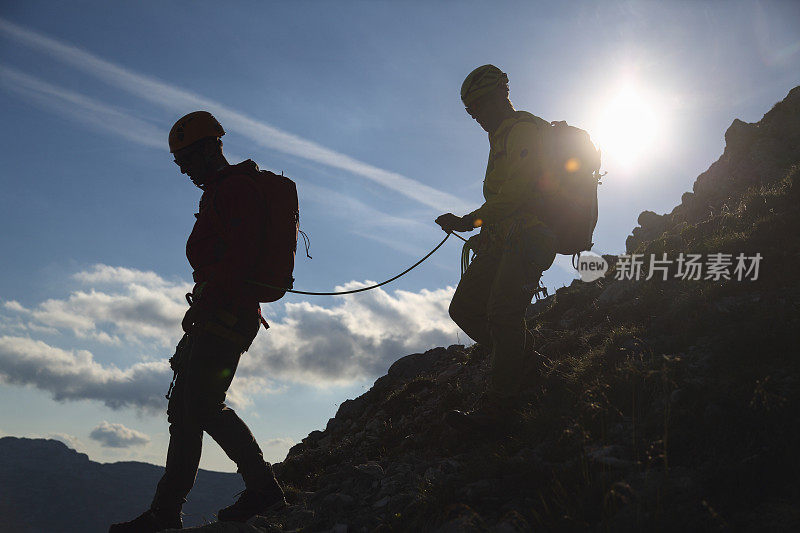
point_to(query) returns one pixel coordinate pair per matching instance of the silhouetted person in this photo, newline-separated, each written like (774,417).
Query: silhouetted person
(221,323)
(514,246)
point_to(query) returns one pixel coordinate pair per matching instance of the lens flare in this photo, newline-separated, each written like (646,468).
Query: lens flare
(572,165)
(629,126)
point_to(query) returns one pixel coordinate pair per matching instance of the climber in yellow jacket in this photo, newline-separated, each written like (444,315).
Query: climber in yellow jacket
(513,249)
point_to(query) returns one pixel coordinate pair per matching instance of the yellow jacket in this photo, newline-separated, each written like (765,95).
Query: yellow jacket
(515,163)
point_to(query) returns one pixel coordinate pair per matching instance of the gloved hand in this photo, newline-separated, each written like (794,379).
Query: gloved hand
(449,222)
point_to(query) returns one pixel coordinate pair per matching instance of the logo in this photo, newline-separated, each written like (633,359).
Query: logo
(591,266)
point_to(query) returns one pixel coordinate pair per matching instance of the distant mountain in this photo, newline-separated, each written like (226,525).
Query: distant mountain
(47,487)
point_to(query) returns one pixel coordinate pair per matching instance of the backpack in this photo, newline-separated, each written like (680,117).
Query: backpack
(567,199)
(275,261)
(278,242)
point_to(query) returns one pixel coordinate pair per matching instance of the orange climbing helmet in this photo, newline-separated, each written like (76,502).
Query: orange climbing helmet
(193,127)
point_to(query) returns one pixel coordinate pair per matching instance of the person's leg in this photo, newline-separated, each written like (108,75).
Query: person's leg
(184,413)
(506,311)
(225,426)
(197,404)
(468,306)
(183,459)
(499,328)
(527,254)
(230,431)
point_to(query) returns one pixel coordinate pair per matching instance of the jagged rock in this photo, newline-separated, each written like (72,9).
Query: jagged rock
(338,499)
(740,136)
(617,291)
(512,522)
(462,519)
(449,372)
(222,527)
(413,365)
(650,220)
(381,503)
(372,469)
(754,154)
(539,306)
(609,456)
(651,227)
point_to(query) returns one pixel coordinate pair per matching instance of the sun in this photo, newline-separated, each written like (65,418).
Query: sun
(629,125)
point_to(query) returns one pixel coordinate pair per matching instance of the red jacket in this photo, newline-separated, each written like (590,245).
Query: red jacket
(222,248)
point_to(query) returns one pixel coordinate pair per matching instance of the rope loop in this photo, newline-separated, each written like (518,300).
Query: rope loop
(362,289)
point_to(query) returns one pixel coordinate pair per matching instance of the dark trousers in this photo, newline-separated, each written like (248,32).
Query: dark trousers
(490,301)
(197,404)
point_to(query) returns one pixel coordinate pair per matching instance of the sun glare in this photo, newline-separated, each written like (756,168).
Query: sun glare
(628,126)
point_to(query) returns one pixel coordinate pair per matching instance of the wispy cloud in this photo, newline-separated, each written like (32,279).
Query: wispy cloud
(362,216)
(81,108)
(180,100)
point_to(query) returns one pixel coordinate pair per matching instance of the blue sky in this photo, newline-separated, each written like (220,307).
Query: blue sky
(358,103)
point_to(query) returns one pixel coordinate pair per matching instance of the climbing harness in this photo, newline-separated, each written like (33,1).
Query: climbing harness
(362,289)
(540,292)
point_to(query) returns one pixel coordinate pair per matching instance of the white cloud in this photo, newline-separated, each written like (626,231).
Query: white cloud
(245,387)
(357,338)
(104,274)
(12,325)
(353,338)
(134,307)
(179,101)
(276,449)
(75,375)
(280,441)
(14,305)
(117,436)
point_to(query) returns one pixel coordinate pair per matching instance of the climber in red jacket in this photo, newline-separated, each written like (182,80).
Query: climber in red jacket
(220,325)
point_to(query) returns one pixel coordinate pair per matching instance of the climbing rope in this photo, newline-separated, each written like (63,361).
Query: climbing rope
(362,289)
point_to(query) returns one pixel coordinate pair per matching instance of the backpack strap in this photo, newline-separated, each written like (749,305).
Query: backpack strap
(522,118)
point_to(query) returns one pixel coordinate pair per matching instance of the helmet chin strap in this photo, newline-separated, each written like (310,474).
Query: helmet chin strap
(200,182)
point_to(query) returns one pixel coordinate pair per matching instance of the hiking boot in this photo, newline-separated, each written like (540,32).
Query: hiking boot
(149,521)
(251,503)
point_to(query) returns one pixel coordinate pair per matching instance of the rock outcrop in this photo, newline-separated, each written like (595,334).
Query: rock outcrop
(755,155)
